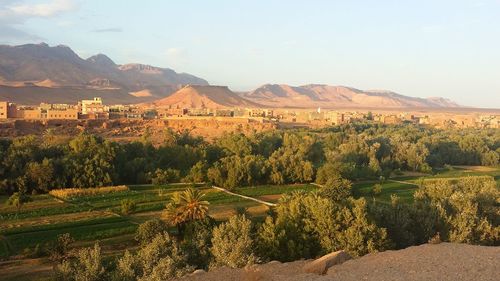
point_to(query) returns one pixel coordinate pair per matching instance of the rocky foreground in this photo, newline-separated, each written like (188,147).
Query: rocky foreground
(427,262)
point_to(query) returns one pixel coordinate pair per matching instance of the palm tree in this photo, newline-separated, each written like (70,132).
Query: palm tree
(186,206)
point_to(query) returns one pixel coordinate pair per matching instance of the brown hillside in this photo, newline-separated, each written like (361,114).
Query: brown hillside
(58,69)
(309,96)
(34,95)
(213,97)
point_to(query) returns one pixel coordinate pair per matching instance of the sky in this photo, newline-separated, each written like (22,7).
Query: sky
(426,48)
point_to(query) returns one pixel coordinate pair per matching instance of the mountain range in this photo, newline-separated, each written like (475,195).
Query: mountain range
(326,96)
(34,73)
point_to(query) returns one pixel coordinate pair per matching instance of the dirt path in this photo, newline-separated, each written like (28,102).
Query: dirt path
(404,182)
(245,197)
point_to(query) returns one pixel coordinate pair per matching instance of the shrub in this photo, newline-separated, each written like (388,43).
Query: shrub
(161,176)
(160,259)
(232,243)
(197,242)
(308,225)
(127,206)
(336,188)
(71,193)
(376,190)
(18,199)
(87,267)
(149,229)
(466,209)
(61,246)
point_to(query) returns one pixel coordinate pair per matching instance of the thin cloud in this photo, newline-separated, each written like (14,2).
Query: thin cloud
(14,35)
(176,57)
(106,30)
(48,9)
(14,13)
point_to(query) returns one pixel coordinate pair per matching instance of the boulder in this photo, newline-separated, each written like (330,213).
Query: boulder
(321,265)
(198,272)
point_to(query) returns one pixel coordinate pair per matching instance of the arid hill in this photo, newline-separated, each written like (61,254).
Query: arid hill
(309,96)
(35,73)
(213,97)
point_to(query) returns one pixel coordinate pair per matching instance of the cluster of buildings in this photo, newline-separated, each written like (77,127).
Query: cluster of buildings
(94,109)
(85,109)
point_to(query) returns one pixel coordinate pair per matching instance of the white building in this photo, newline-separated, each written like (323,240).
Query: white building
(93,106)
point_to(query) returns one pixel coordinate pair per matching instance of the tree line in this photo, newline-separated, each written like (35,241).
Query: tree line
(355,151)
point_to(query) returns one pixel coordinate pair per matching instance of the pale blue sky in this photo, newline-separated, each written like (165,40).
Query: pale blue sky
(419,48)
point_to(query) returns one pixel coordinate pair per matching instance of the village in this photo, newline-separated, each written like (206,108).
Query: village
(96,109)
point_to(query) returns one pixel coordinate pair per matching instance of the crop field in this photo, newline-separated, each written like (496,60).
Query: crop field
(405,186)
(97,216)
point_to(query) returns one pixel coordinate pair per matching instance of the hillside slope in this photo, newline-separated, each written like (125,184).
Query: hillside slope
(213,97)
(38,72)
(441,262)
(337,96)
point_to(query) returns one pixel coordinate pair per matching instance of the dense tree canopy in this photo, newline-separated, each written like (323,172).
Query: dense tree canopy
(354,151)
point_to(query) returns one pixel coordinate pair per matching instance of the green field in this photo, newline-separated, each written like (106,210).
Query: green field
(405,186)
(97,217)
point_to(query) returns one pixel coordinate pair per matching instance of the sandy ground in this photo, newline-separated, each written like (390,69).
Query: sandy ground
(441,262)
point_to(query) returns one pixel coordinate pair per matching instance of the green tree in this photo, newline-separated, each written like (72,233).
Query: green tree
(161,177)
(18,199)
(308,225)
(186,206)
(465,209)
(232,243)
(197,242)
(336,188)
(150,229)
(127,206)
(87,267)
(61,247)
(376,189)
(160,259)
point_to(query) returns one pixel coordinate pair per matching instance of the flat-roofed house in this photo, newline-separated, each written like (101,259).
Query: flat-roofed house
(4,109)
(62,114)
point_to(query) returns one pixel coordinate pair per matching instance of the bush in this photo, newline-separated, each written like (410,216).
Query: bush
(232,243)
(336,188)
(150,229)
(87,267)
(160,259)
(161,176)
(466,209)
(61,247)
(376,190)
(197,242)
(127,206)
(308,225)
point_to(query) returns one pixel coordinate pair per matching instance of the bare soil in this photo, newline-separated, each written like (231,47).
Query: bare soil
(439,262)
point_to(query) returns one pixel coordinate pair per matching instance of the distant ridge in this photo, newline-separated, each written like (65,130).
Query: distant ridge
(314,95)
(34,73)
(37,73)
(213,97)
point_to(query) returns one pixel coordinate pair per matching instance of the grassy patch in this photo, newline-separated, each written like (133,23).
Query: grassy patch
(404,191)
(89,230)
